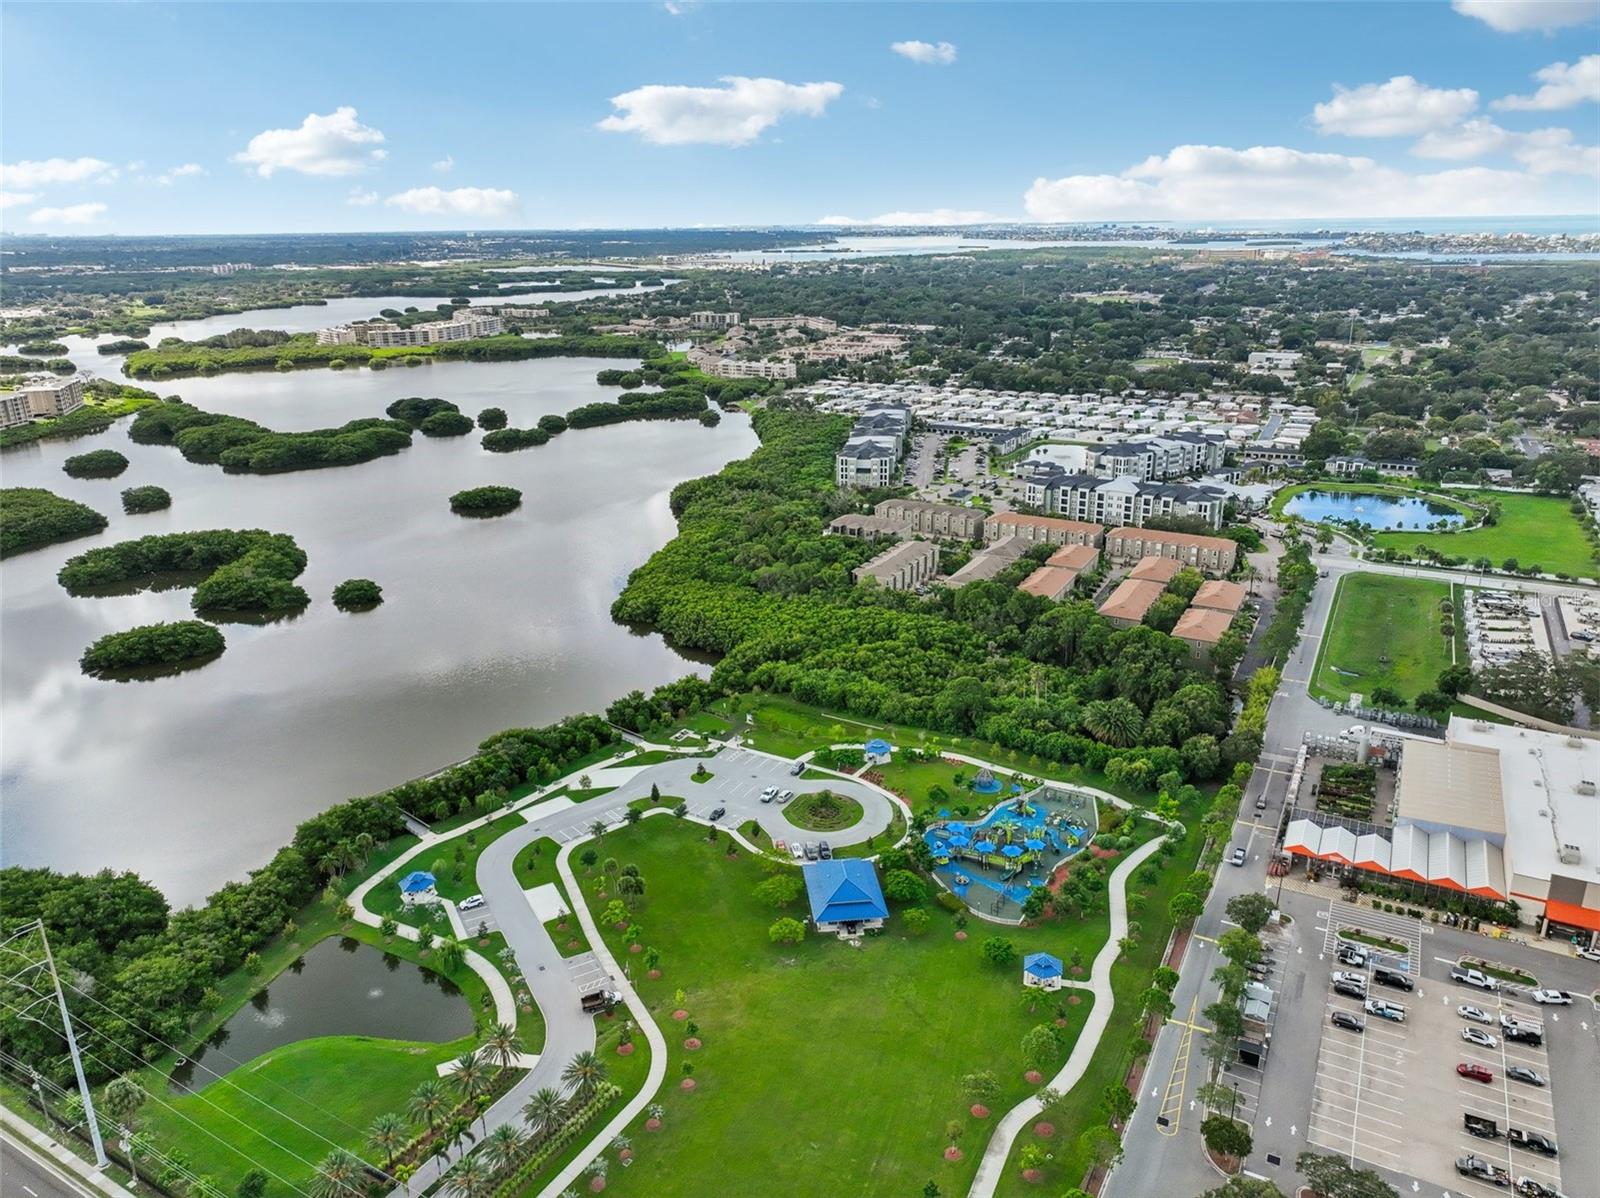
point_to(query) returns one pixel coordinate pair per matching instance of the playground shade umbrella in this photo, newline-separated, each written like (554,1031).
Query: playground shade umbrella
(959,841)
(1011,850)
(1034,845)
(984,846)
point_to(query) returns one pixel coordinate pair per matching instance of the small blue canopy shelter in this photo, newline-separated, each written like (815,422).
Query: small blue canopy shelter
(843,892)
(418,881)
(1041,969)
(879,747)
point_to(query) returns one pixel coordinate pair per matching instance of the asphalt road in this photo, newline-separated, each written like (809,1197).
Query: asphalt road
(21,1176)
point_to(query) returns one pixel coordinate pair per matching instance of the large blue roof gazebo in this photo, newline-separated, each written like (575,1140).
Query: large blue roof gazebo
(1042,971)
(845,897)
(418,886)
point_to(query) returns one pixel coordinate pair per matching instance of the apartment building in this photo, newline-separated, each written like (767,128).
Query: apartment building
(1127,605)
(988,561)
(750,368)
(1214,555)
(1118,501)
(1157,458)
(1201,628)
(867,528)
(41,399)
(904,567)
(868,457)
(382,334)
(1394,468)
(1041,529)
(934,519)
(713,320)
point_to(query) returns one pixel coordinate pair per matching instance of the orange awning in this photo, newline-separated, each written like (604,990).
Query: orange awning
(1572,915)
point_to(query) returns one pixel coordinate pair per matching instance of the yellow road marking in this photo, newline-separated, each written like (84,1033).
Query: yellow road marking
(1177,1080)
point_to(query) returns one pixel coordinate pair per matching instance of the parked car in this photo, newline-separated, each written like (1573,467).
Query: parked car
(1350,1023)
(1527,1187)
(1352,979)
(1474,977)
(1392,1011)
(1238,856)
(470,903)
(811,851)
(1589,954)
(797,768)
(1521,1073)
(1474,1073)
(1394,978)
(797,850)
(599,1000)
(1351,954)
(1532,1141)
(1474,1035)
(1350,990)
(769,794)
(1479,1169)
(1554,997)
(1525,1035)
(1477,1125)
(717,813)
(1476,1014)
(786,796)
(825,851)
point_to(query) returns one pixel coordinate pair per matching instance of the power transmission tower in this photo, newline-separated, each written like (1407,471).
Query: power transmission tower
(40,958)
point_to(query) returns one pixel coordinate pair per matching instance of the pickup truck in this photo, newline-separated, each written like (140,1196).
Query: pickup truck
(1484,1129)
(1531,1141)
(1474,977)
(599,1000)
(1479,1169)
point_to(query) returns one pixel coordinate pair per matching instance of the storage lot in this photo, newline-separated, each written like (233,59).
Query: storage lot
(1391,1096)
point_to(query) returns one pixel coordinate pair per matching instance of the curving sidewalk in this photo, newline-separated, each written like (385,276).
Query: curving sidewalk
(993,1164)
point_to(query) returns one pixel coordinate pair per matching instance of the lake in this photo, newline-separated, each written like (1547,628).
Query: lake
(488,624)
(1376,511)
(341,987)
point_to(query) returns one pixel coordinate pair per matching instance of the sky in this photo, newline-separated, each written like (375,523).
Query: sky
(280,117)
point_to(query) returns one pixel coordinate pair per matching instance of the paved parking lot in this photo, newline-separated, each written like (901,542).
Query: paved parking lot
(586,972)
(1402,929)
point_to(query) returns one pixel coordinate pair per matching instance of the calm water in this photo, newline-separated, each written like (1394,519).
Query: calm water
(1377,511)
(340,988)
(487,624)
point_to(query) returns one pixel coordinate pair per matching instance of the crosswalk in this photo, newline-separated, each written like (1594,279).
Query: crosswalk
(1400,929)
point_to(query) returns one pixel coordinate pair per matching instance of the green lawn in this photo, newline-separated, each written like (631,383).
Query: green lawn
(821,1062)
(1382,630)
(536,864)
(1536,530)
(454,865)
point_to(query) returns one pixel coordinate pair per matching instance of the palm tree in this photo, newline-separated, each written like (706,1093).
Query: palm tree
(597,829)
(543,1111)
(468,1178)
(338,1176)
(1113,721)
(387,1134)
(428,1102)
(504,1145)
(503,1045)
(471,1071)
(449,953)
(584,1072)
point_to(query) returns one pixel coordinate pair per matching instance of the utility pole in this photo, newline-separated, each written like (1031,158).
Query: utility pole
(49,963)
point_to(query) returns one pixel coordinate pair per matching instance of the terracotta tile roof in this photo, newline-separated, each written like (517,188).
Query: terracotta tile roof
(1203,624)
(1156,569)
(1131,599)
(1154,536)
(1048,582)
(1074,557)
(1220,594)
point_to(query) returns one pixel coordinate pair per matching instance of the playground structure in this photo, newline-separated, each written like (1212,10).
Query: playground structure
(994,862)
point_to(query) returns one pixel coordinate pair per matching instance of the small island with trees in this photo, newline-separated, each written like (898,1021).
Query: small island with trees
(357,594)
(97,463)
(152,650)
(243,446)
(486,501)
(31,517)
(136,500)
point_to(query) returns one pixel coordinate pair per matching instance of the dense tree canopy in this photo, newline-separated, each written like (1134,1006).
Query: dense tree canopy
(31,517)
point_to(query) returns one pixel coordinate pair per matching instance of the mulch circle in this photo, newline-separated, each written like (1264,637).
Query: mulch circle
(596,1185)
(652,1125)
(686,1084)
(961,935)
(692,1043)
(654,974)
(636,948)
(620,924)
(1077,971)
(952,1153)
(573,943)
(1044,1130)
(680,1014)
(1033,1077)
(624,1050)
(625,1155)
(979,1111)
(1061,1023)
(1074,999)
(1033,1176)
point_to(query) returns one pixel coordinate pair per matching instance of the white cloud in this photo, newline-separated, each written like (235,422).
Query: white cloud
(1401,107)
(136,166)
(336,144)
(1470,139)
(10,199)
(188,170)
(445,165)
(1218,183)
(460,201)
(1563,87)
(734,115)
(936,54)
(680,8)
(1552,151)
(361,198)
(54,170)
(73,214)
(933,216)
(1519,16)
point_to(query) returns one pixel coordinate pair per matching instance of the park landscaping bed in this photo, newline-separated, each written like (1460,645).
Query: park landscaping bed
(1392,947)
(1383,630)
(1504,973)
(823,811)
(853,1056)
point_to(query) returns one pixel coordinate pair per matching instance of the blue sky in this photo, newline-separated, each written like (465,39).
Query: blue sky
(136,118)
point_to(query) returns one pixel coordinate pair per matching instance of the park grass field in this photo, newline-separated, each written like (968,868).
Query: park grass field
(1535,530)
(852,1057)
(1383,630)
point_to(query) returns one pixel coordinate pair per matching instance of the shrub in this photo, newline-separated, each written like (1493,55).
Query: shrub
(414,410)
(136,500)
(508,440)
(949,902)
(553,424)
(97,463)
(357,594)
(492,418)
(787,931)
(446,424)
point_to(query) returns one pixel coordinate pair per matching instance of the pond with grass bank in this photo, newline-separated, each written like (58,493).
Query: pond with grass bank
(341,987)
(1374,509)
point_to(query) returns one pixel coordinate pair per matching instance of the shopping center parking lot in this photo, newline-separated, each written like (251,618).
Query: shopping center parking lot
(1391,1097)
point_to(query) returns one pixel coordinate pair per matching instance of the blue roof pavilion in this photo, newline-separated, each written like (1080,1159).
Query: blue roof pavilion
(844,893)
(1041,967)
(418,881)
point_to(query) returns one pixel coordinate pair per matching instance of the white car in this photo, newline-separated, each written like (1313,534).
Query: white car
(797,850)
(1237,858)
(769,794)
(1476,1014)
(1481,1038)
(1556,997)
(470,904)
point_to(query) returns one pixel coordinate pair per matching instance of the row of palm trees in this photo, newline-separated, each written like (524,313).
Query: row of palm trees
(343,1174)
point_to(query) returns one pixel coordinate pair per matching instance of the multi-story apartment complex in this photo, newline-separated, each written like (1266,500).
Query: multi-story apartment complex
(713,320)
(906,566)
(868,458)
(1041,529)
(1214,555)
(934,519)
(39,400)
(751,368)
(1156,458)
(1118,500)
(381,334)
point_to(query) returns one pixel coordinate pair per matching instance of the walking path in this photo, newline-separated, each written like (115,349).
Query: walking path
(993,1164)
